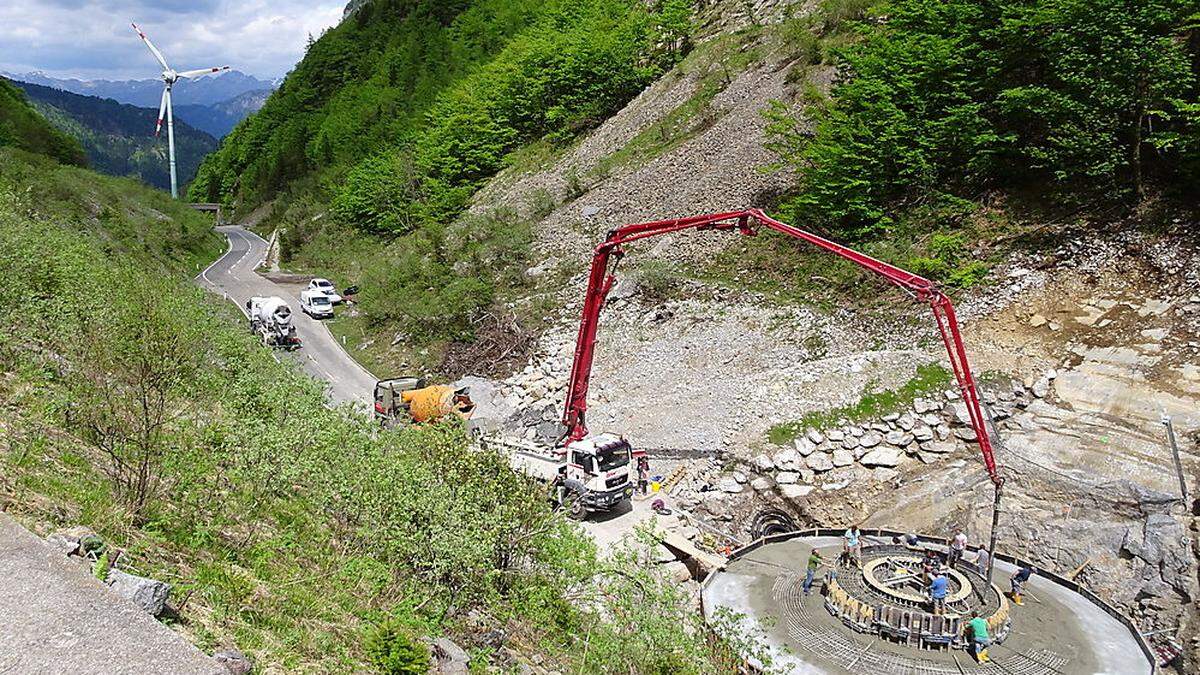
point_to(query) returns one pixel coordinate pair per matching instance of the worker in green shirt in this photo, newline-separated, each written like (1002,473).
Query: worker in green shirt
(978,638)
(814,561)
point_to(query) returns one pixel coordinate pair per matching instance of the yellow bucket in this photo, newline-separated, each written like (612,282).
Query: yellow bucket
(655,486)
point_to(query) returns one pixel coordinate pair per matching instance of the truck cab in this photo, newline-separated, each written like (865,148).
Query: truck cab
(389,404)
(601,471)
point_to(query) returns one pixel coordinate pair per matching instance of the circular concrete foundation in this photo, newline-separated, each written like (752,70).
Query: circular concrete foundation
(873,620)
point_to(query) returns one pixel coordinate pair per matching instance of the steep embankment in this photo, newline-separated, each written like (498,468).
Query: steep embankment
(137,407)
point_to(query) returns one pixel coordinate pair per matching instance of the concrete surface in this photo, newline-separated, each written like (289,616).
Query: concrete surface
(55,617)
(1053,618)
(235,276)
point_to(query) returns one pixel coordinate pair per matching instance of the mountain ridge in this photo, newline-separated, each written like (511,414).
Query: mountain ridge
(117,137)
(214,104)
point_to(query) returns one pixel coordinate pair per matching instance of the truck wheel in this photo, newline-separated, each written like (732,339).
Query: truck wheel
(573,503)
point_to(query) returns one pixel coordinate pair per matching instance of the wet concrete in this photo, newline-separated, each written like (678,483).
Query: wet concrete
(1053,619)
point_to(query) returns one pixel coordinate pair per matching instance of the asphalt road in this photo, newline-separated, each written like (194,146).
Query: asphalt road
(235,276)
(58,618)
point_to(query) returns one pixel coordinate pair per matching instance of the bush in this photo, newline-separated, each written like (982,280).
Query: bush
(433,287)
(394,651)
(382,194)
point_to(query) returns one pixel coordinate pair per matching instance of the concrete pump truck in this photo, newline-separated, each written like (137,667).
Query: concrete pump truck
(596,472)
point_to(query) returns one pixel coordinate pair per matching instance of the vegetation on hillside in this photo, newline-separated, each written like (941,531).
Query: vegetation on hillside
(22,127)
(1081,101)
(303,535)
(393,119)
(119,139)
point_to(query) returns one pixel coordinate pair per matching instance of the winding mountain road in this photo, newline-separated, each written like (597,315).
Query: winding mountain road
(235,275)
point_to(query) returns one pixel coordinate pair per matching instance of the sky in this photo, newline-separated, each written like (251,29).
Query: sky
(92,39)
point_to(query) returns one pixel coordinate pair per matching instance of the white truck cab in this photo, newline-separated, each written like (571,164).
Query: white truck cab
(316,304)
(596,473)
(602,464)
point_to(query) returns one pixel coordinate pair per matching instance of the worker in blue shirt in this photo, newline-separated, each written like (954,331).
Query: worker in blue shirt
(937,591)
(1018,580)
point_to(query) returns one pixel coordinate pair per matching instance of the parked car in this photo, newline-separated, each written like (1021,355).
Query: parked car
(325,287)
(316,304)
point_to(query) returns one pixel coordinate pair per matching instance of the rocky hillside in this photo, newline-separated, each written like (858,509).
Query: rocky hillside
(762,375)
(1084,341)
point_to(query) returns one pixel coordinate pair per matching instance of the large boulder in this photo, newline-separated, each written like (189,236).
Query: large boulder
(787,477)
(815,436)
(939,447)
(884,455)
(763,463)
(787,460)
(842,458)
(870,439)
(450,659)
(1160,546)
(795,491)
(804,446)
(68,540)
(820,462)
(149,594)
(762,484)
(922,433)
(730,485)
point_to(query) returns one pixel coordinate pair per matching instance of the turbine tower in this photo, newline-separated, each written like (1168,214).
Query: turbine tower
(170,77)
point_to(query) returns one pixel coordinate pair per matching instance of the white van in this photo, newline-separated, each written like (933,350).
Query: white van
(316,304)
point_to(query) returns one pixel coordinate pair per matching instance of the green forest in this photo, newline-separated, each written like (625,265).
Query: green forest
(22,127)
(119,139)
(1080,101)
(374,145)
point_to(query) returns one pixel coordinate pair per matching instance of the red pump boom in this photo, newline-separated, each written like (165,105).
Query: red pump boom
(603,274)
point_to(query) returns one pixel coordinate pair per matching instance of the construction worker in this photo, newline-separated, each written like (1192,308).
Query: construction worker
(957,546)
(1018,581)
(977,630)
(814,561)
(937,592)
(852,546)
(643,472)
(981,562)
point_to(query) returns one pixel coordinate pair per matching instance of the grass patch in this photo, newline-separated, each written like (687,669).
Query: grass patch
(372,348)
(952,244)
(874,403)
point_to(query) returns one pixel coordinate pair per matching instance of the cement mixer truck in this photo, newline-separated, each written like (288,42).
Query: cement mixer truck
(271,320)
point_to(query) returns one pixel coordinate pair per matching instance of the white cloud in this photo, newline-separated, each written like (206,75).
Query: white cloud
(93,39)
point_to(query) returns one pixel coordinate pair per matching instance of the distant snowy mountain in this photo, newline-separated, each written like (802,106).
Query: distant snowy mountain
(214,104)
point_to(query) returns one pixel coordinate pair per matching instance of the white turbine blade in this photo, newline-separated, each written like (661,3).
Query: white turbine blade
(162,109)
(153,50)
(202,71)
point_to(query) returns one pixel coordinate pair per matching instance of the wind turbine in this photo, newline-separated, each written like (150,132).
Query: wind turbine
(170,77)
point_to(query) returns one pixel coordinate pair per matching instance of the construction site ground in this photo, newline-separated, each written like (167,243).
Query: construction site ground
(1053,623)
